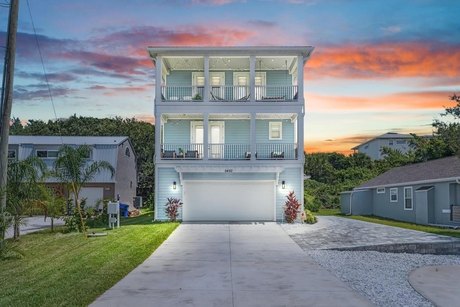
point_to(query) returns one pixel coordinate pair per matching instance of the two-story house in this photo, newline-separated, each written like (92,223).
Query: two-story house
(117,150)
(229,134)
(373,147)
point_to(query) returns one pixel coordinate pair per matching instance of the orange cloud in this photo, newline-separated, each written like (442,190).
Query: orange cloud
(435,100)
(406,59)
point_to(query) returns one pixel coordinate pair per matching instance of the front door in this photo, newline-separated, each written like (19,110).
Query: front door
(216,133)
(216,140)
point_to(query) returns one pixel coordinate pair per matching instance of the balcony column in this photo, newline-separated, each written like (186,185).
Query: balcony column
(207,80)
(300,137)
(158,129)
(300,64)
(252,78)
(158,79)
(252,130)
(205,136)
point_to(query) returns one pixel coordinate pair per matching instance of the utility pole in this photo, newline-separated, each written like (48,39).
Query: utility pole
(7,97)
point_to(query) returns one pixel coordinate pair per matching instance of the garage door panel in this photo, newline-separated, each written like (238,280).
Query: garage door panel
(228,201)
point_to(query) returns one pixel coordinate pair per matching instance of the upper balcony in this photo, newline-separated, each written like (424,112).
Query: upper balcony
(267,75)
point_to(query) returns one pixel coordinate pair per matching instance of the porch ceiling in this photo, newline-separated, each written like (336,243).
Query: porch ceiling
(230,63)
(222,116)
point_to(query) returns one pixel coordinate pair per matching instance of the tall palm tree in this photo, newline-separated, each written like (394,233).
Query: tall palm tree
(73,169)
(22,188)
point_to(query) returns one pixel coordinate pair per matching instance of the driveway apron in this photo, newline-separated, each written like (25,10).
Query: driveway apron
(253,264)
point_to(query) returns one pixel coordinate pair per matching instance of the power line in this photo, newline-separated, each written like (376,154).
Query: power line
(44,69)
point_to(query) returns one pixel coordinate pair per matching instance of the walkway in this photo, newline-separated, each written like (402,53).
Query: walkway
(230,265)
(339,232)
(33,224)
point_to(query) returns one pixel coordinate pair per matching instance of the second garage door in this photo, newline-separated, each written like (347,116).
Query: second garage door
(229,201)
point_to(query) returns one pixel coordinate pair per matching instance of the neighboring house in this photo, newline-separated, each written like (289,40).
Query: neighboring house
(229,130)
(373,147)
(117,150)
(422,193)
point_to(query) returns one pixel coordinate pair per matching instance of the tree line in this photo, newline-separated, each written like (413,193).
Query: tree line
(332,173)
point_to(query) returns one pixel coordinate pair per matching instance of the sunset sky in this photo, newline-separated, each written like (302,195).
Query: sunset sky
(378,66)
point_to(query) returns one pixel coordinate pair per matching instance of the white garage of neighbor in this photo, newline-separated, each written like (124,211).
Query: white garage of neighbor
(228,200)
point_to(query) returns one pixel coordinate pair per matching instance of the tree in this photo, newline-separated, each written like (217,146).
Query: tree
(53,205)
(22,188)
(72,169)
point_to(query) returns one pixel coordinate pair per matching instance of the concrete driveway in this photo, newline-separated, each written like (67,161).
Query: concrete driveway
(230,265)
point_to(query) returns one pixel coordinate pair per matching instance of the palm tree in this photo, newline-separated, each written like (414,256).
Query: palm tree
(73,169)
(22,188)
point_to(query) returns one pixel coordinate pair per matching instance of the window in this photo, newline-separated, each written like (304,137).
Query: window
(127,152)
(380,190)
(275,130)
(394,195)
(47,154)
(408,205)
(390,142)
(11,154)
(400,142)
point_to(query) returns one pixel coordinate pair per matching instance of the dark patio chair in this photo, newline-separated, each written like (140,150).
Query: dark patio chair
(169,154)
(191,154)
(277,155)
(215,97)
(247,155)
(244,98)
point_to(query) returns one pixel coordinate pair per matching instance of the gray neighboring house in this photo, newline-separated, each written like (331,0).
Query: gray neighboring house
(422,193)
(393,140)
(117,150)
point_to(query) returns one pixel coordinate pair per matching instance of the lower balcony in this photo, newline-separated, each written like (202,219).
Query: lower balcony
(279,151)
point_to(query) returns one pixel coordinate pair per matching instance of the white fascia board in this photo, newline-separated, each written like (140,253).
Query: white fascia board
(235,169)
(429,181)
(305,51)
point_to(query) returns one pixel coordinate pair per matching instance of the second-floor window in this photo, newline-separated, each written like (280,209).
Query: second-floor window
(47,154)
(275,131)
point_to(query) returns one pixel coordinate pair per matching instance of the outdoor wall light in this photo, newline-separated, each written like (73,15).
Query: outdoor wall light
(283,184)
(174,185)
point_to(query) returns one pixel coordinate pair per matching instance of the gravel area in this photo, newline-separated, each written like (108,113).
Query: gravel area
(381,277)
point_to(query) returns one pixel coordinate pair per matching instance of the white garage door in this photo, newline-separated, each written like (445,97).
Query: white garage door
(229,201)
(92,195)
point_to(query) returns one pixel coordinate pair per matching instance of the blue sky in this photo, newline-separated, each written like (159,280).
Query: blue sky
(378,66)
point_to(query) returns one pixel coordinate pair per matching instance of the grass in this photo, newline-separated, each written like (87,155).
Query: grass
(322,211)
(389,222)
(68,270)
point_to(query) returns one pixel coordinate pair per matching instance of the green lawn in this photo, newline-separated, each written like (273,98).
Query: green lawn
(68,270)
(323,211)
(430,229)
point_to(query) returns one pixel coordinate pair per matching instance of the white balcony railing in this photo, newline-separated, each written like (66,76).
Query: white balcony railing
(281,151)
(182,151)
(229,93)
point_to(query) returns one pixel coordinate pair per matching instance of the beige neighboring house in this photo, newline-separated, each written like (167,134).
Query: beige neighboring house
(117,150)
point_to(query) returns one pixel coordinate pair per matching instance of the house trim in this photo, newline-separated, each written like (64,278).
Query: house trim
(428,181)
(411,198)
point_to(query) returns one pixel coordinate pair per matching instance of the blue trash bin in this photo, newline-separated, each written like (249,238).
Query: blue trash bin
(124,210)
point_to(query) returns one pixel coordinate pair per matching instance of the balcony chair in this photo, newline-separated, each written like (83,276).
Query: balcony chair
(215,97)
(296,96)
(244,98)
(273,97)
(191,154)
(169,154)
(277,155)
(247,155)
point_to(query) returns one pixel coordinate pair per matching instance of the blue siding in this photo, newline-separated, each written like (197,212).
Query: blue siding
(177,132)
(237,132)
(262,131)
(179,78)
(164,181)
(294,182)
(278,78)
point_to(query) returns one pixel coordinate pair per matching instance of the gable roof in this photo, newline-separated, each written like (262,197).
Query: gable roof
(388,135)
(435,170)
(71,140)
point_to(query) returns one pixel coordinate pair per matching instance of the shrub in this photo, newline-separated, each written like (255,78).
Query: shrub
(291,208)
(309,218)
(172,208)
